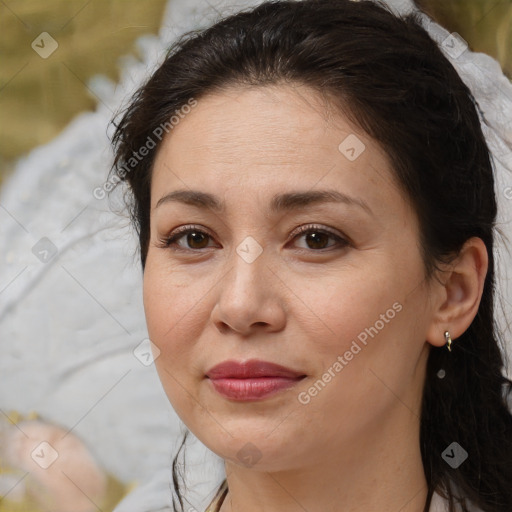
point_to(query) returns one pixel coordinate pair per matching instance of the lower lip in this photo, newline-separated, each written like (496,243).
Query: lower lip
(252,389)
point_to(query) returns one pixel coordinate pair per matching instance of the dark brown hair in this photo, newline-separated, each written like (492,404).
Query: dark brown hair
(389,77)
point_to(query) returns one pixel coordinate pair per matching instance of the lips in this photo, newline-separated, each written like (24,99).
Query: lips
(251,369)
(252,380)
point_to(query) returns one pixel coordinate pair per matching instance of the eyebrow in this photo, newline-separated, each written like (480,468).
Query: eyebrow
(280,202)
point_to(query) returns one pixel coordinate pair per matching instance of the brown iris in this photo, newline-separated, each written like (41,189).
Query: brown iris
(315,240)
(199,238)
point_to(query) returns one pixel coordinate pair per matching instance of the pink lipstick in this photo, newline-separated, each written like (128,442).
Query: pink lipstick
(251,380)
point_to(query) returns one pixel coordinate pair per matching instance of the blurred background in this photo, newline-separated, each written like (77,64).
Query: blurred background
(38,97)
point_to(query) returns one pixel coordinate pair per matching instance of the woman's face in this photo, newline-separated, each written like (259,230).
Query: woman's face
(344,304)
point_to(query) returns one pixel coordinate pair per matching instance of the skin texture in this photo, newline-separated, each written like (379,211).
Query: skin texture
(356,442)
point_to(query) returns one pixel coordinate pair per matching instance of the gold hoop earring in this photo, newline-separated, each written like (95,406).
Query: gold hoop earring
(448,340)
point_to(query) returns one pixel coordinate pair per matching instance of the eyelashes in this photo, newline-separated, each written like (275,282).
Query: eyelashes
(170,241)
(316,235)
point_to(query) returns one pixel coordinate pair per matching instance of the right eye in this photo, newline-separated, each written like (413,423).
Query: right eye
(195,239)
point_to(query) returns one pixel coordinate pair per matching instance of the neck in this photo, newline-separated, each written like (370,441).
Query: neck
(379,469)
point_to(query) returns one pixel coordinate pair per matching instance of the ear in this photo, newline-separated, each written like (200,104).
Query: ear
(457,297)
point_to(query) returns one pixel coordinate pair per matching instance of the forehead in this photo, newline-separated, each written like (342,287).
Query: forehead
(266,139)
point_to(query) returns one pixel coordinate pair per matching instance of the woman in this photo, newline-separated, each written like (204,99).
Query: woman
(315,206)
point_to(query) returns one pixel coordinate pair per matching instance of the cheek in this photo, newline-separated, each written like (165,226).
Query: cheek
(345,307)
(175,317)
(168,294)
(362,321)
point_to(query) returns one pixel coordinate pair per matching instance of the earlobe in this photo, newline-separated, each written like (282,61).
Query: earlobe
(461,293)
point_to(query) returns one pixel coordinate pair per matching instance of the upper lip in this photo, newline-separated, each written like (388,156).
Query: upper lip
(250,369)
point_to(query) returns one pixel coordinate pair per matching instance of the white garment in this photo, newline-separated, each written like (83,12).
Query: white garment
(439,504)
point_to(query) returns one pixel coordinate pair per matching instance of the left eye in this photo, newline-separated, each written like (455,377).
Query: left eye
(317,238)
(196,239)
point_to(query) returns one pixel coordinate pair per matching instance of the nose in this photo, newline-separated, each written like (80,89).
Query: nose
(250,298)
